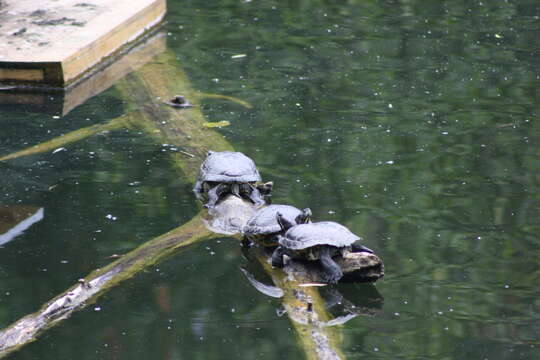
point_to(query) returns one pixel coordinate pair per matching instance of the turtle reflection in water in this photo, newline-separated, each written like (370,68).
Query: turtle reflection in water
(229,172)
(264,225)
(316,241)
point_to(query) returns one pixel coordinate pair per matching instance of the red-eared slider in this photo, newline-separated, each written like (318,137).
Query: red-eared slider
(227,172)
(317,241)
(265,224)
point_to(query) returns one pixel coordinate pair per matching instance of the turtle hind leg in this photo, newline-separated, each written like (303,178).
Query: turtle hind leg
(361,248)
(332,271)
(256,197)
(277,257)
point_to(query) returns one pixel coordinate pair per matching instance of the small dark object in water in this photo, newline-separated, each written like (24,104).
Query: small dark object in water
(316,241)
(228,172)
(179,101)
(264,224)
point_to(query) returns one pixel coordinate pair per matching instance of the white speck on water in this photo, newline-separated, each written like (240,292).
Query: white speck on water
(375,349)
(390,106)
(396,314)
(390,162)
(111,217)
(233,310)
(59,149)
(331,212)
(439,312)
(506,286)
(329,140)
(445,133)
(216,80)
(56,117)
(97,308)
(63,261)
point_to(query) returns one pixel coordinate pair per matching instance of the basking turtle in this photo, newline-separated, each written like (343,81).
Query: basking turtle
(228,172)
(317,241)
(264,225)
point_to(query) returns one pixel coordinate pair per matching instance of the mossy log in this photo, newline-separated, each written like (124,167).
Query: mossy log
(145,92)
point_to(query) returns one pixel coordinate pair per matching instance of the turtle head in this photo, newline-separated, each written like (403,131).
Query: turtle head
(283,223)
(304,217)
(265,188)
(235,189)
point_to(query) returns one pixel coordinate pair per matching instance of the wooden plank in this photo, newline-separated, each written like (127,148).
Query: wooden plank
(61,102)
(66,39)
(22,74)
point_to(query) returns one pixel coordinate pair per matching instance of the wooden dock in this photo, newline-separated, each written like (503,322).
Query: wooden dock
(55,43)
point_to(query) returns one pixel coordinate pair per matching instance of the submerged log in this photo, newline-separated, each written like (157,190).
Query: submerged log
(87,290)
(314,325)
(146,91)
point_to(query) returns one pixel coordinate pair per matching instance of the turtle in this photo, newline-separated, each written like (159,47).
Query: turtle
(228,172)
(264,225)
(316,241)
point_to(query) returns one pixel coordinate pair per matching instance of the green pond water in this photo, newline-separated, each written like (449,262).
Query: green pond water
(414,123)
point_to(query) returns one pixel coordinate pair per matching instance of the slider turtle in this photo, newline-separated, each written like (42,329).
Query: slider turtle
(316,241)
(264,225)
(228,172)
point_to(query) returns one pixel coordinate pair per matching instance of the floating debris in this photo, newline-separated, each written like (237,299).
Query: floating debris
(216,124)
(313,284)
(59,149)
(238,56)
(179,101)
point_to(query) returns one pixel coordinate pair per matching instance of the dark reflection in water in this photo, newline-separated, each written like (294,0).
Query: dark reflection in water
(413,122)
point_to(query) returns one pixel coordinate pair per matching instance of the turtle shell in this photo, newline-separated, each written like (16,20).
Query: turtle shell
(265,220)
(228,166)
(304,236)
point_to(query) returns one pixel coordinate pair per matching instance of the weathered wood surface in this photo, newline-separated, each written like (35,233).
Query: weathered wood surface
(55,43)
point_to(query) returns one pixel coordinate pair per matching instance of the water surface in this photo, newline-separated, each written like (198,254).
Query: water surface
(414,123)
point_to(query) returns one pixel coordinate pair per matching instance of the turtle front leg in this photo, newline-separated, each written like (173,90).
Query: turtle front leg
(277,257)
(213,196)
(198,189)
(360,248)
(332,271)
(256,196)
